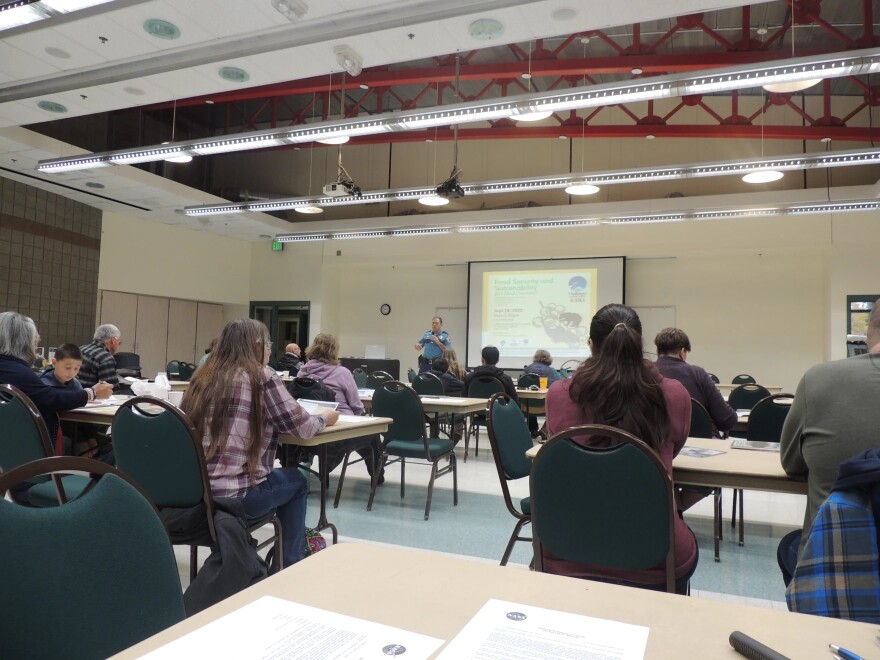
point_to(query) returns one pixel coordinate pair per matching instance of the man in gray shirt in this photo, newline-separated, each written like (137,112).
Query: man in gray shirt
(835,415)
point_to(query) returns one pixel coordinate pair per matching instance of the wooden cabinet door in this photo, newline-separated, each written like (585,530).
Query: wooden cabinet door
(120,309)
(182,331)
(209,323)
(152,334)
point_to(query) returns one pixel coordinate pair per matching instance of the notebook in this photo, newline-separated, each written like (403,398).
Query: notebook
(742,443)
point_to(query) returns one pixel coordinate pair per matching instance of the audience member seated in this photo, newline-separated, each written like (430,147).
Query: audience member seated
(98,364)
(66,364)
(617,387)
(490,357)
(323,364)
(834,415)
(18,344)
(238,407)
(451,384)
(673,346)
(541,365)
(291,362)
(455,367)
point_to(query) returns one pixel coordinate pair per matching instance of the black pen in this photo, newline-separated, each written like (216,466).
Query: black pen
(844,654)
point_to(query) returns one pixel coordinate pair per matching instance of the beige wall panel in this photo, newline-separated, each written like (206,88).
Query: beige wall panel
(140,256)
(181,331)
(210,321)
(152,334)
(120,309)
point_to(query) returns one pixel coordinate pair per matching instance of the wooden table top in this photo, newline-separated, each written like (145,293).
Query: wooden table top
(437,595)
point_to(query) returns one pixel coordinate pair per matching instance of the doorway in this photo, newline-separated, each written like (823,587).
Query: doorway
(287,322)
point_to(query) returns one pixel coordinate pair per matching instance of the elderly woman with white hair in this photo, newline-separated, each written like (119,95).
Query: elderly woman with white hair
(18,345)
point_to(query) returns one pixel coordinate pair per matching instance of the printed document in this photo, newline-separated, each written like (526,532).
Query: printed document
(511,631)
(271,628)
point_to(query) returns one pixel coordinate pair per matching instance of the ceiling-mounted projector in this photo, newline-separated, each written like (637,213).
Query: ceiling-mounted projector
(337,190)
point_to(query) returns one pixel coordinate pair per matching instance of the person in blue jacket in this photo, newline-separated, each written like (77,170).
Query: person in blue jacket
(432,344)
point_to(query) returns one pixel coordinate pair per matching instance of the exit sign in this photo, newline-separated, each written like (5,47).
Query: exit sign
(277,246)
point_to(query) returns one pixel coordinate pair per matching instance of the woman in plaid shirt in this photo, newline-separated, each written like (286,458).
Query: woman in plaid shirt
(239,406)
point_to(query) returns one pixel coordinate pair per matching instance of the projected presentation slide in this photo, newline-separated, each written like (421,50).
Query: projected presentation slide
(521,307)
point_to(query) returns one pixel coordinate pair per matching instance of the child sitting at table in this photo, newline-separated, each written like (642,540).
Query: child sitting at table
(66,363)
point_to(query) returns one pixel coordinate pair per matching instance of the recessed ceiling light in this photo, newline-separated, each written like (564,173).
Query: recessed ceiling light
(582,189)
(486,29)
(94,184)
(308,209)
(563,14)
(233,74)
(51,106)
(762,176)
(160,29)
(60,53)
(134,91)
(433,200)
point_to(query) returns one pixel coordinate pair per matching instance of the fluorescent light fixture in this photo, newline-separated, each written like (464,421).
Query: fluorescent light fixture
(67,6)
(348,59)
(762,176)
(850,63)
(20,13)
(342,139)
(818,160)
(582,189)
(293,10)
(507,226)
(854,206)
(359,234)
(433,200)
(311,209)
(420,231)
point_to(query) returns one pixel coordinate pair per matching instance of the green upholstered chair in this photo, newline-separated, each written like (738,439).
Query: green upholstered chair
(376,378)
(24,438)
(527,380)
(87,579)
(172,370)
(406,439)
(510,439)
(531,406)
(360,377)
(713,378)
(586,509)
(746,396)
(156,445)
(766,420)
(428,383)
(743,379)
(479,387)
(702,427)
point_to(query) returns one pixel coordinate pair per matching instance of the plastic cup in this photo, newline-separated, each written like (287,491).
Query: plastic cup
(543,382)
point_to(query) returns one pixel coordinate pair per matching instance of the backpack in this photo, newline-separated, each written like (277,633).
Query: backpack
(304,387)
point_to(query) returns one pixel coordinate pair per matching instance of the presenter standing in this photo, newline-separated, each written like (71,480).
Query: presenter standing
(432,344)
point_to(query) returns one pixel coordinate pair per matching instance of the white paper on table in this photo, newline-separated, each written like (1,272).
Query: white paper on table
(275,628)
(356,419)
(317,407)
(511,631)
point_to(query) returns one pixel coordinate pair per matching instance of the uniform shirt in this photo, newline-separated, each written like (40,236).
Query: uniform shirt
(228,468)
(98,364)
(431,350)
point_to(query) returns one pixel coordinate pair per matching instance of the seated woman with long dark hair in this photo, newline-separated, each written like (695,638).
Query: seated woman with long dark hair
(238,406)
(617,387)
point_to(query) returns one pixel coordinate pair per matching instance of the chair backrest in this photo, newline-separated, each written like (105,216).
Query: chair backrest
(768,416)
(128,361)
(87,579)
(713,378)
(156,445)
(186,370)
(401,403)
(482,387)
(585,508)
(428,383)
(24,437)
(510,438)
(701,423)
(376,378)
(743,379)
(527,380)
(360,377)
(746,396)
(306,387)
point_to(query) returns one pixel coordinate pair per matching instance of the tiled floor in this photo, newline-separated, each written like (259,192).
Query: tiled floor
(480,526)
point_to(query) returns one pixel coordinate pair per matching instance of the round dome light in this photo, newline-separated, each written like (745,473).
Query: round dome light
(182,158)
(342,139)
(791,87)
(308,209)
(533,116)
(433,200)
(582,189)
(762,176)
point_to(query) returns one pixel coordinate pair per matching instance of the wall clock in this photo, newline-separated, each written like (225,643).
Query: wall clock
(385,309)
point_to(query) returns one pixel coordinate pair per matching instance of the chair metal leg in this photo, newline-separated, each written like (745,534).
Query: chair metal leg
(513,539)
(717,523)
(279,548)
(402,475)
(742,526)
(454,464)
(375,481)
(431,487)
(341,479)
(193,562)
(733,509)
